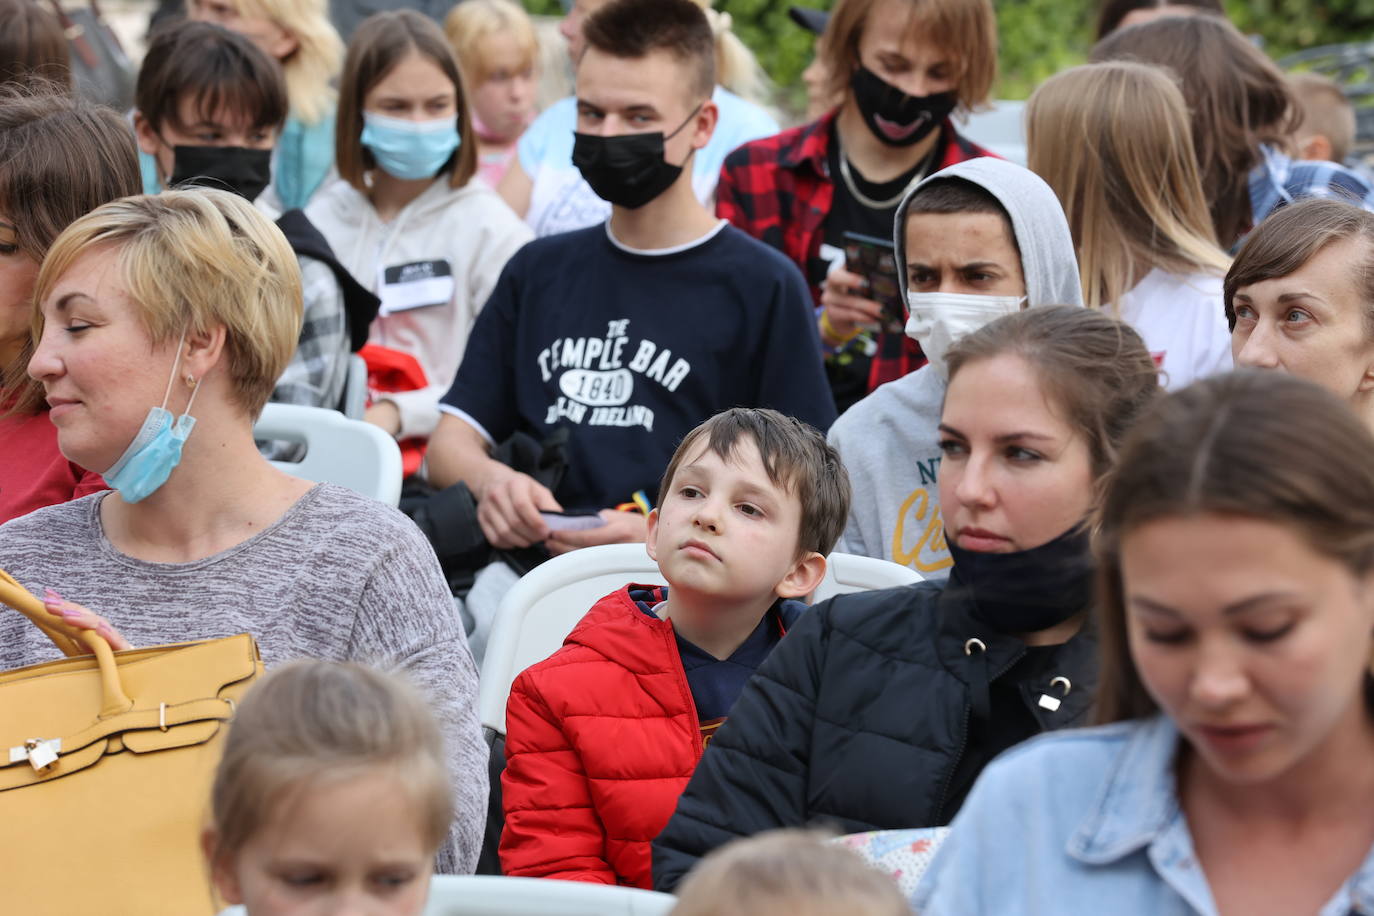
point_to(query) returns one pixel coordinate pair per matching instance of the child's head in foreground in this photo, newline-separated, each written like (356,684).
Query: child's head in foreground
(332,795)
(750,505)
(787,873)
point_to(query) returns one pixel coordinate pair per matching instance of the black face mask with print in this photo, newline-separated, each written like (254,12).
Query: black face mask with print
(627,170)
(246,172)
(896,118)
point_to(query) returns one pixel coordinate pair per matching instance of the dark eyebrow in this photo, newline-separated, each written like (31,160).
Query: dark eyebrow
(980,265)
(1238,607)
(1018,436)
(1291,297)
(946,428)
(9,225)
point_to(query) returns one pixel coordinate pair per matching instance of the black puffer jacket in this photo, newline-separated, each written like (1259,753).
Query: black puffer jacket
(860,718)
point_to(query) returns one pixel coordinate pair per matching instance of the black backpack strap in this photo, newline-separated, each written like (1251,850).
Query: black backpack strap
(360,305)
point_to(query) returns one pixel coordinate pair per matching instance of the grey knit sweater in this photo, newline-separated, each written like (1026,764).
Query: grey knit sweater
(337,577)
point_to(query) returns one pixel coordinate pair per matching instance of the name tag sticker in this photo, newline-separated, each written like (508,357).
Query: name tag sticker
(419,284)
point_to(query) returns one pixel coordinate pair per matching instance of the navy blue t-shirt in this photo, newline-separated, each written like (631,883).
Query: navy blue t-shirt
(631,350)
(716,683)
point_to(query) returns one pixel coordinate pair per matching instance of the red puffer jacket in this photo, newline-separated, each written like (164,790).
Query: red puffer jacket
(602,739)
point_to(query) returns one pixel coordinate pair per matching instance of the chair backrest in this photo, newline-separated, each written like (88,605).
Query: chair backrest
(540,611)
(350,453)
(487,895)
(847,572)
(354,402)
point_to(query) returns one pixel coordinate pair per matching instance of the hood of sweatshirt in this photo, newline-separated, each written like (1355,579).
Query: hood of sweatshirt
(1048,261)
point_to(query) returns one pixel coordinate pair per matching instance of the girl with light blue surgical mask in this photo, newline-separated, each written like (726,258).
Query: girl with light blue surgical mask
(409,219)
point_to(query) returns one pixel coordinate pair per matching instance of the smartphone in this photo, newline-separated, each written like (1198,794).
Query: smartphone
(572,521)
(874,259)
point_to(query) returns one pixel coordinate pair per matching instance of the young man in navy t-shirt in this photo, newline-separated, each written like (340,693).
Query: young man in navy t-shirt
(631,333)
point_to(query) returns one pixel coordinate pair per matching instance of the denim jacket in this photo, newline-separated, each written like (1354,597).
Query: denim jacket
(1085,821)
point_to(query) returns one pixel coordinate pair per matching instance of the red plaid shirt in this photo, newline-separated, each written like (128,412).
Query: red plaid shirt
(779,190)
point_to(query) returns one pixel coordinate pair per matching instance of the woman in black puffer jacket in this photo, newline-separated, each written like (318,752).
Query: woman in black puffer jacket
(879,709)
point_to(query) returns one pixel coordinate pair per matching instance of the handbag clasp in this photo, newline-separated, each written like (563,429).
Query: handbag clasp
(41,755)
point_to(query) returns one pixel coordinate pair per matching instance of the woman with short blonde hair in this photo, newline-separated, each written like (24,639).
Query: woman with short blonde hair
(298,34)
(163,323)
(1114,142)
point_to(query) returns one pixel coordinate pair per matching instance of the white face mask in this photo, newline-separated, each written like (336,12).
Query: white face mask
(940,320)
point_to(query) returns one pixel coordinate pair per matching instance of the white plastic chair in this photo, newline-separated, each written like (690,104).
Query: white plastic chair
(350,453)
(537,614)
(354,401)
(481,895)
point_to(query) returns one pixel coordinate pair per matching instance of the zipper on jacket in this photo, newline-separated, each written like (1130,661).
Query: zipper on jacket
(963,743)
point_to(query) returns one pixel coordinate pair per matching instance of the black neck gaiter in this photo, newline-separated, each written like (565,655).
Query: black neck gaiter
(1028,590)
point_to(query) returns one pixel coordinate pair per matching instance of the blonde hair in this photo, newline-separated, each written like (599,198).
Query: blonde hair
(1113,140)
(968,28)
(469,24)
(737,69)
(310,721)
(319,52)
(1325,111)
(193,260)
(787,873)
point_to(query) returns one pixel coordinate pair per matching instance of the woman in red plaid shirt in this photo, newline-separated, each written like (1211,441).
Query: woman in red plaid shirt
(901,69)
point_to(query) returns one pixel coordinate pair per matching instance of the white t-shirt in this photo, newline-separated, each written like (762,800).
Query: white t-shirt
(1183,321)
(562,201)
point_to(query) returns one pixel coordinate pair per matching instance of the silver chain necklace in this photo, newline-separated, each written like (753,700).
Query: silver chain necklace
(869,202)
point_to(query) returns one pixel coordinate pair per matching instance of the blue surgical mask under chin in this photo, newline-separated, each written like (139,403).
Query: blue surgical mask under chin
(410,150)
(156,450)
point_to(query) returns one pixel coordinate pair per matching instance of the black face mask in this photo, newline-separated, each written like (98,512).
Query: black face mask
(1028,590)
(627,170)
(246,172)
(896,118)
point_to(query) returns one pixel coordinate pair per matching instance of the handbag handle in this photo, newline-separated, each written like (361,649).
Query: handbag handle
(71,641)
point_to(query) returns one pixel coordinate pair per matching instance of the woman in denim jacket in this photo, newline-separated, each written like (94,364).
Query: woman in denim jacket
(1236,554)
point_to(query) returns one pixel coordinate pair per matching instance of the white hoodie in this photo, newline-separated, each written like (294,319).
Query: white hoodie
(434,266)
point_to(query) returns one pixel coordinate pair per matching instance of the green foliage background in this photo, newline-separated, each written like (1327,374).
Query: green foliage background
(1039,37)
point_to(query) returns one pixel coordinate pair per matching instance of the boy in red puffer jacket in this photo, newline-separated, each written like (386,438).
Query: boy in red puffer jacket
(603,735)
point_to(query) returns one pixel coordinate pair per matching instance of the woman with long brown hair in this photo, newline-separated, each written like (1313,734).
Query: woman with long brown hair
(1113,141)
(1243,117)
(1236,607)
(59,159)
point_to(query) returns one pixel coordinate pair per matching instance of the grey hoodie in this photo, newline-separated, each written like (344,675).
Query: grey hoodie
(889,440)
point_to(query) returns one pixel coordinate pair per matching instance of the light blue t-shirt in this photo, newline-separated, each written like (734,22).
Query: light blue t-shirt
(562,201)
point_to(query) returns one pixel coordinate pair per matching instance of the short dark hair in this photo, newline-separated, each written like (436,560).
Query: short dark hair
(1294,235)
(959,195)
(32,44)
(223,69)
(377,46)
(795,456)
(634,29)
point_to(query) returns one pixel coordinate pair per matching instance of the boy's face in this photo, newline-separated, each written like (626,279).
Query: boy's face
(619,95)
(970,253)
(194,126)
(724,530)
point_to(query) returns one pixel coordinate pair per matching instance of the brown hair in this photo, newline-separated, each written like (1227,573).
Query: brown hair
(193,260)
(1294,235)
(633,29)
(959,195)
(967,28)
(788,873)
(381,42)
(60,157)
(1251,443)
(1325,111)
(1112,139)
(795,456)
(222,70)
(1095,369)
(1111,13)
(309,721)
(1237,97)
(32,44)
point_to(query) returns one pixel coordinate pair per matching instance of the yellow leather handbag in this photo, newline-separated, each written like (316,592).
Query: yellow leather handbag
(105,769)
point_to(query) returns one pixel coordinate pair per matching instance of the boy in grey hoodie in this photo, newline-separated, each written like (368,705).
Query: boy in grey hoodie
(975,241)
